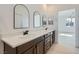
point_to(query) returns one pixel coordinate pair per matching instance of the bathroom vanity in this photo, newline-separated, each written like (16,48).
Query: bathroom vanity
(36,44)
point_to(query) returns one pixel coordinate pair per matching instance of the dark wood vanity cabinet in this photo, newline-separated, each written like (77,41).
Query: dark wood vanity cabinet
(47,42)
(8,49)
(53,37)
(39,45)
(27,48)
(33,47)
(29,51)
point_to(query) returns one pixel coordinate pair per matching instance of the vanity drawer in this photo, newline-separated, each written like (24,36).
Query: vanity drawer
(47,46)
(29,47)
(8,49)
(25,47)
(48,39)
(46,35)
(40,47)
(29,51)
(37,40)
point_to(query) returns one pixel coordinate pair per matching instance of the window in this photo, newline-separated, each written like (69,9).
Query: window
(70,22)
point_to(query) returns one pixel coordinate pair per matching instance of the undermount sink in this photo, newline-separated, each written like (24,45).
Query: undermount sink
(31,35)
(26,36)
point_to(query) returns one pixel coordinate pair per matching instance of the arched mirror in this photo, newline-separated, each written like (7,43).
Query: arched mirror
(21,17)
(37,19)
(44,20)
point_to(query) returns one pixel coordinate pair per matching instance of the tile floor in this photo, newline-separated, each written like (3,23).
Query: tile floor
(65,45)
(67,39)
(61,49)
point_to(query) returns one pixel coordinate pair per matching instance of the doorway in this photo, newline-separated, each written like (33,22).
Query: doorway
(66,28)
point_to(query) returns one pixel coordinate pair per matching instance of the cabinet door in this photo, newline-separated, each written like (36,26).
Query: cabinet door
(8,49)
(53,37)
(25,47)
(48,39)
(47,44)
(29,51)
(40,48)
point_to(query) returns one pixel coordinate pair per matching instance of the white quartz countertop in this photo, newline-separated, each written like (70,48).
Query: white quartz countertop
(15,41)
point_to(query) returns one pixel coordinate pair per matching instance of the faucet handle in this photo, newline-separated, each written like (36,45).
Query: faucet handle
(26,32)
(46,28)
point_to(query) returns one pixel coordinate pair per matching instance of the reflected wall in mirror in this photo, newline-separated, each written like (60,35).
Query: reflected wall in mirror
(36,19)
(44,20)
(50,21)
(21,17)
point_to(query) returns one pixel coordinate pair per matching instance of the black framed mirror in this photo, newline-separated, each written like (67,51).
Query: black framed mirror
(44,20)
(37,22)
(21,17)
(50,21)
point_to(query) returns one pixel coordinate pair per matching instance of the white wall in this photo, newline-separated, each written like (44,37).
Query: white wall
(6,21)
